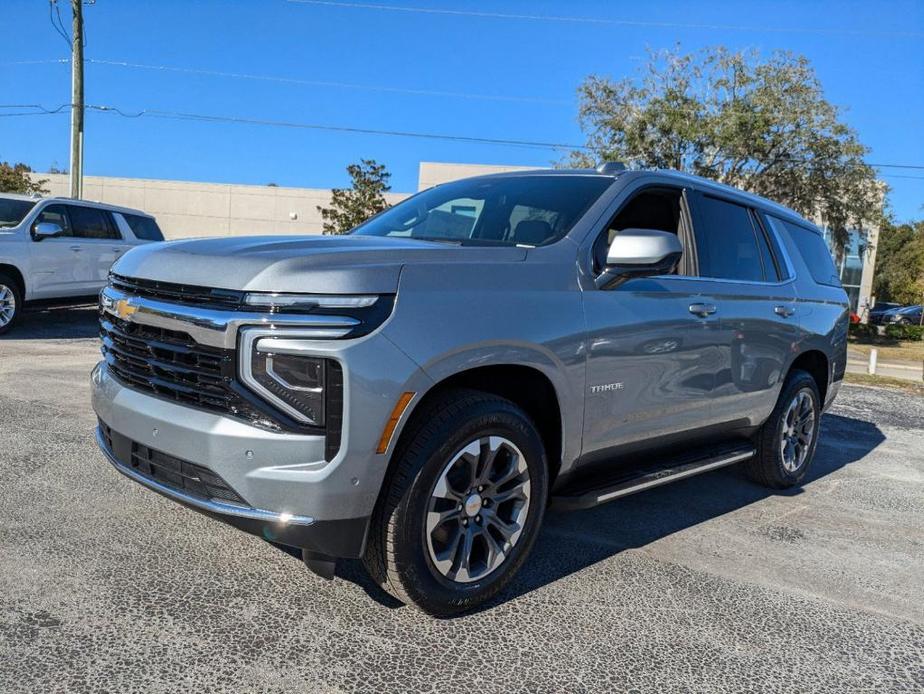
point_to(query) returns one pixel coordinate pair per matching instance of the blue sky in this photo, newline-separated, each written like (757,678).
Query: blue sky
(868,55)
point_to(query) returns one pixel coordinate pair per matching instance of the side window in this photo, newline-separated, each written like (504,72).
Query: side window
(653,208)
(769,261)
(92,223)
(726,243)
(144,228)
(814,251)
(55,214)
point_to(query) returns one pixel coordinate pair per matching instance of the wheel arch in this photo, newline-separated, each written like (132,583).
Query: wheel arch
(526,386)
(17,276)
(817,364)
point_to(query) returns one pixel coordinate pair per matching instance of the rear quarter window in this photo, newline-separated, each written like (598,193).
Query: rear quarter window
(144,228)
(814,251)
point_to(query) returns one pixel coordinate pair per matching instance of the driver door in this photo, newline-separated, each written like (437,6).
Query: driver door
(651,361)
(55,270)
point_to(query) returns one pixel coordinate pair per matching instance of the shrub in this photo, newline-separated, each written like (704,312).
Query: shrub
(905,332)
(863,332)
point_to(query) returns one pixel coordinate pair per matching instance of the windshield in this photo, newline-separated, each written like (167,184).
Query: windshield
(12,212)
(503,211)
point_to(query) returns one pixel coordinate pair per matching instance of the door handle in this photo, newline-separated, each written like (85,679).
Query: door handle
(118,250)
(703,310)
(76,248)
(785,311)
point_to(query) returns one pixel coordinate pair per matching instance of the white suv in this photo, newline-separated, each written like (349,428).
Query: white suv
(61,249)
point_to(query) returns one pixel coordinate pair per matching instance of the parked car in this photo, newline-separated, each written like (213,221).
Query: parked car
(417,392)
(59,249)
(878,312)
(909,315)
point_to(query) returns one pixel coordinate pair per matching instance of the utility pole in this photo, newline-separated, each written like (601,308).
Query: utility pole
(76,178)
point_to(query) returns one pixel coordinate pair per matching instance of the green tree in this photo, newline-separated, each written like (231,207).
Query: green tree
(352,206)
(760,125)
(900,263)
(14,178)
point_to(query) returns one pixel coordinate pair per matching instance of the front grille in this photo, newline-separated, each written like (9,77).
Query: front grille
(178,474)
(172,365)
(228,299)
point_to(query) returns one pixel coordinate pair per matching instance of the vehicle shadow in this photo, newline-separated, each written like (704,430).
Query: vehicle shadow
(56,323)
(570,542)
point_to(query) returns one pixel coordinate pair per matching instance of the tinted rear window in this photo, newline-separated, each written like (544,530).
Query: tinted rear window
(144,228)
(814,252)
(91,223)
(726,245)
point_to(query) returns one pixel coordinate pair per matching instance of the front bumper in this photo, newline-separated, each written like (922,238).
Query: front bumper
(293,494)
(341,538)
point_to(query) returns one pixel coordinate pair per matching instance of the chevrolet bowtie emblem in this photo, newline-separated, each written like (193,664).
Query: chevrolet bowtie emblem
(124,309)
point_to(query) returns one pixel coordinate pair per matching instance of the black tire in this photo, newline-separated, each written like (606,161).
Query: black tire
(398,556)
(8,284)
(769,466)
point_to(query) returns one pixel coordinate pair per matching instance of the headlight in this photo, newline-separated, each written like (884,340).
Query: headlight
(297,383)
(309,301)
(278,366)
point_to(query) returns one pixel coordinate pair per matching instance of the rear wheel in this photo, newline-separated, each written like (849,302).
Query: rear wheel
(10,302)
(462,508)
(787,440)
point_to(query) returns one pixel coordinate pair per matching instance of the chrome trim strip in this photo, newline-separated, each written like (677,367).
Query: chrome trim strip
(202,504)
(684,472)
(210,326)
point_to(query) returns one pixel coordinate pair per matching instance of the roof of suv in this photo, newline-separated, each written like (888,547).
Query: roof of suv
(72,201)
(668,174)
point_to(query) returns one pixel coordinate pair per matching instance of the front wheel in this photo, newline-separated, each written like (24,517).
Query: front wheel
(10,302)
(462,507)
(787,440)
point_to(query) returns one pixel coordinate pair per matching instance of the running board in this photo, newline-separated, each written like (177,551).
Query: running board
(653,478)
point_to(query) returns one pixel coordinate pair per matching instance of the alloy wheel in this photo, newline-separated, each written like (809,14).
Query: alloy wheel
(7,305)
(797,430)
(477,509)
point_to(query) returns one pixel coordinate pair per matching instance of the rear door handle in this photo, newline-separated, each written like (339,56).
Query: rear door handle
(785,311)
(703,310)
(76,248)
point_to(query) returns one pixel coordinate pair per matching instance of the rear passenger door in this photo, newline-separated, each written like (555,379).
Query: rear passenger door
(742,270)
(99,244)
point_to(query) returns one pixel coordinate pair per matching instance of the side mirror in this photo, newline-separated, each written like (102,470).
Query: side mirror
(46,230)
(639,253)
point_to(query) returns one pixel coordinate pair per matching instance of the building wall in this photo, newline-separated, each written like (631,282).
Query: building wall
(433,173)
(185,208)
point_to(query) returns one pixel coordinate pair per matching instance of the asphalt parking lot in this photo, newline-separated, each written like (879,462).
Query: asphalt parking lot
(710,584)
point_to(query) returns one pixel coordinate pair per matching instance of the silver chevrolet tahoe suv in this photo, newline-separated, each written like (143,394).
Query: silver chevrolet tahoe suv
(418,392)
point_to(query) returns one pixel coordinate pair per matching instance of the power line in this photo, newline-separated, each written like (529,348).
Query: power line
(35,62)
(324,83)
(210,118)
(400,90)
(601,20)
(39,107)
(178,115)
(55,11)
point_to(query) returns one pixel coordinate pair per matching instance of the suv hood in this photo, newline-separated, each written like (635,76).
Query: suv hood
(308,264)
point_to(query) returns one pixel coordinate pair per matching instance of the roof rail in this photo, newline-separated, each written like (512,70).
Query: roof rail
(611,167)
